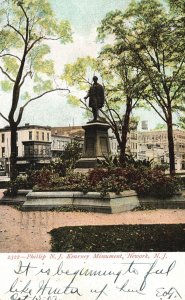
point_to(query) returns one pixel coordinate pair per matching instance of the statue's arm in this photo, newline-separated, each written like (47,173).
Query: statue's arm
(88,94)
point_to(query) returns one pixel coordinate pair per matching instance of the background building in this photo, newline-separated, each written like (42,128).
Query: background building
(153,144)
(61,136)
(33,146)
(36,145)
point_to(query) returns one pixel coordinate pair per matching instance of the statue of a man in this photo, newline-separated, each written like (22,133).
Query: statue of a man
(96,97)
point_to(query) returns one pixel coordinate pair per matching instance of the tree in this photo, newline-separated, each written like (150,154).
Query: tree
(71,154)
(155,40)
(124,86)
(121,89)
(27,26)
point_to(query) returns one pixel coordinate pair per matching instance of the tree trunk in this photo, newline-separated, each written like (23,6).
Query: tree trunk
(171,145)
(125,129)
(13,154)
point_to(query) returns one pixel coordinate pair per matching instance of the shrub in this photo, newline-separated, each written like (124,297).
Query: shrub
(58,167)
(111,184)
(155,183)
(130,160)
(71,154)
(21,182)
(146,182)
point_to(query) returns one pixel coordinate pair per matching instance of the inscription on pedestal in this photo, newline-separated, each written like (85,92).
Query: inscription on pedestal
(104,145)
(89,147)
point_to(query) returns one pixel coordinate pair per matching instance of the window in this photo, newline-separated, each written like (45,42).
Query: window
(3,151)
(43,136)
(47,136)
(37,135)
(30,135)
(41,150)
(36,150)
(3,138)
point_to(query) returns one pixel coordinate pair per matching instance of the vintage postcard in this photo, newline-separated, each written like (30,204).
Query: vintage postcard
(92,149)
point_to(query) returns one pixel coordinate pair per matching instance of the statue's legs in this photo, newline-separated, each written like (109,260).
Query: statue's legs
(95,113)
(95,109)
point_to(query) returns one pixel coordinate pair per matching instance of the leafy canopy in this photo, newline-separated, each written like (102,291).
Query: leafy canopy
(27,26)
(154,36)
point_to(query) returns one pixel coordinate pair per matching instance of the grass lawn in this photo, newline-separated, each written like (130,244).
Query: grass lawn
(119,238)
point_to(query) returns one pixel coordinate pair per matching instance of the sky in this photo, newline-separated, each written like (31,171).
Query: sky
(84,17)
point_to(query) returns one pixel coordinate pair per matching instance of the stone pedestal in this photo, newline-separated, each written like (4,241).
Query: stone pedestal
(91,201)
(96,144)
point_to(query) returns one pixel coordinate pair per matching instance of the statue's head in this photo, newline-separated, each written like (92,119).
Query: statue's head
(95,79)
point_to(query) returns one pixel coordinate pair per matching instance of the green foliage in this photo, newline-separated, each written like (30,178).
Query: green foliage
(182,122)
(71,154)
(73,100)
(11,64)
(22,182)
(109,162)
(130,160)
(80,73)
(108,185)
(160,126)
(146,181)
(143,32)
(114,162)
(155,183)
(26,96)
(115,238)
(26,26)
(45,85)
(6,85)
(150,36)
(177,6)
(26,29)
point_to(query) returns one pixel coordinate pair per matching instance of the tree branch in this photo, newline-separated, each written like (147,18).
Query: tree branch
(109,110)
(33,44)
(176,91)
(47,92)
(17,31)
(156,110)
(4,117)
(33,99)
(12,55)
(85,105)
(52,39)
(21,6)
(4,72)
(134,105)
(177,72)
(113,110)
(24,77)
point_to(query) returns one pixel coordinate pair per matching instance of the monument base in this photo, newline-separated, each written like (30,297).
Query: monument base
(96,145)
(88,162)
(91,201)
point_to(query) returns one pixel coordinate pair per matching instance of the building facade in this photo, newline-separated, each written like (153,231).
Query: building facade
(61,136)
(153,145)
(38,144)
(33,145)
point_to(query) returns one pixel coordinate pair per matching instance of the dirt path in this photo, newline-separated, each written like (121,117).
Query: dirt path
(28,231)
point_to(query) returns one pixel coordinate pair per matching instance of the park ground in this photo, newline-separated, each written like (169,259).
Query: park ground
(29,231)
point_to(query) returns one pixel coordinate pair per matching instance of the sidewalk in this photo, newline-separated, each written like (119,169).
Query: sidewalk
(28,231)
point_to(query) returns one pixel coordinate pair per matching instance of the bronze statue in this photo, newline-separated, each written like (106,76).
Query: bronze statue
(96,97)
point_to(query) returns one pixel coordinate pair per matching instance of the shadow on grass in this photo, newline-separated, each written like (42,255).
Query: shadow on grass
(119,238)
